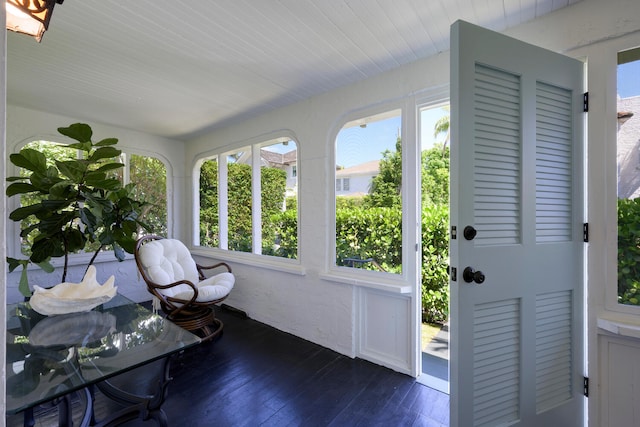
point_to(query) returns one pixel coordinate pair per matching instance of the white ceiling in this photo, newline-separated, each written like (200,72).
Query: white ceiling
(182,68)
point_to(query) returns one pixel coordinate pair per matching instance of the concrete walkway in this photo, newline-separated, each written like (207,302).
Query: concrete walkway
(435,361)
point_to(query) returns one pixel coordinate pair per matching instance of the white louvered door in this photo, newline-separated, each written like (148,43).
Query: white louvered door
(517,179)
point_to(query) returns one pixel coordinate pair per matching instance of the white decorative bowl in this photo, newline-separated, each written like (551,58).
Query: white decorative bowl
(69,297)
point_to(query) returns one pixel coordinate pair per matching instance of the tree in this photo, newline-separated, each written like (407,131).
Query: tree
(150,176)
(442,126)
(435,175)
(386,187)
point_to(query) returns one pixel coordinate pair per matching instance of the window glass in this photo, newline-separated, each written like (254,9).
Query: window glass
(149,175)
(239,201)
(368,174)
(628,158)
(229,216)
(279,195)
(209,226)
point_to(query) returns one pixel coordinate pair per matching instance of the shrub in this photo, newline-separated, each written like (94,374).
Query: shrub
(435,259)
(629,251)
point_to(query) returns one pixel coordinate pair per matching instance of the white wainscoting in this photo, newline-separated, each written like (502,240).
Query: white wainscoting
(620,375)
(384,328)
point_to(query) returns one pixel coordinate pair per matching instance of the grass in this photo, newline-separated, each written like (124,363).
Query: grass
(428,331)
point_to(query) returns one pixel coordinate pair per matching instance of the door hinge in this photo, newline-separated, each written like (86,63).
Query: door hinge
(454,232)
(585,383)
(585,232)
(585,102)
(453,273)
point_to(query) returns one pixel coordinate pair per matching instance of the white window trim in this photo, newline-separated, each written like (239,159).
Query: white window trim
(390,282)
(601,261)
(255,257)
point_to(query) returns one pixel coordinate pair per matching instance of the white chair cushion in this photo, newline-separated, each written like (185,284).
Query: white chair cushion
(210,289)
(168,260)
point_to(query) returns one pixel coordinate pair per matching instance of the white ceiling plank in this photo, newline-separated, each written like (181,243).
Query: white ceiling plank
(189,66)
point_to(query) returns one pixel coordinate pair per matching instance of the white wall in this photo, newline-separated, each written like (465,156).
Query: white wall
(25,125)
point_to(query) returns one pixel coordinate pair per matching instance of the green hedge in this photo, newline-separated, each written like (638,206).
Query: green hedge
(435,260)
(377,233)
(629,251)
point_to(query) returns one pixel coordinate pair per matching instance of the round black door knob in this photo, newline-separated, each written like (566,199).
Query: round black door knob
(470,275)
(469,232)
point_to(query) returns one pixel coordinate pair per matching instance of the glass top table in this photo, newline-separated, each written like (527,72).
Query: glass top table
(49,357)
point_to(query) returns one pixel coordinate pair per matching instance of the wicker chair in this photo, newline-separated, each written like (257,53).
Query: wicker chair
(179,286)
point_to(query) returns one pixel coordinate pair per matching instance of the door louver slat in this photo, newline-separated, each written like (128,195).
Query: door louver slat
(497,157)
(553,163)
(553,349)
(496,361)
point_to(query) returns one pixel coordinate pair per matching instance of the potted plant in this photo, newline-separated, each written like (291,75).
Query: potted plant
(78,204)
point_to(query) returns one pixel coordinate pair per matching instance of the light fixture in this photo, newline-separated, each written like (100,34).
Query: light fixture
(30,16)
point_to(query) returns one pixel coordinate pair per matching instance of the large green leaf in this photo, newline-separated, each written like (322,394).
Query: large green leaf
(62,190)
(15,263)
(23,284)
(20,188)
(43,249)
(110,166)
(44,181)
(106,141)
(94,176)
(81,132)
(24,211)
(73,169)
(75,239)
(105,153)
(82,146)
(56,204)
(89,220)
(110,184)
(29,159)
(46,266)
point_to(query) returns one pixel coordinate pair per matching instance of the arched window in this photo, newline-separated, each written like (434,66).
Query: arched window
(248,199)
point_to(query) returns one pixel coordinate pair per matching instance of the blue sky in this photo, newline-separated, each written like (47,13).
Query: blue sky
(629,79)
(356,145)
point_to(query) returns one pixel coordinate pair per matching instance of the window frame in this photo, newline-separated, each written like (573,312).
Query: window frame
(388,281)
(254,257)
(612,126)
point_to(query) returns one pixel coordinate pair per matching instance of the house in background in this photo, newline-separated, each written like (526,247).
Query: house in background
(629,147)
(356,180)
(285,161)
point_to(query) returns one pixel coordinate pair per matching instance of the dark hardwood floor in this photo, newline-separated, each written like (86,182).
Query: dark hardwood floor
(255,375)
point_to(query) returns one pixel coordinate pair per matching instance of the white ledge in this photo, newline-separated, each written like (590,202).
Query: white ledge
(285,265)
(396,288)
(619,328)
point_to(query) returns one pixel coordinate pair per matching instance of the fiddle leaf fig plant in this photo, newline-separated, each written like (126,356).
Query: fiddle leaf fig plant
(78,204)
